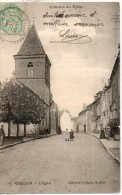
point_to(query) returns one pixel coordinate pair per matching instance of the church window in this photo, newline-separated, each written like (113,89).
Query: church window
(30,70)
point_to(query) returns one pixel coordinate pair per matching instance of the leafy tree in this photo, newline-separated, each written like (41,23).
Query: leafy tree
(21,105)
(59,131)
(114,125)
(29,108)
(6,104)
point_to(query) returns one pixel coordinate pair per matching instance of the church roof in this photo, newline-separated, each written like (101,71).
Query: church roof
(32,44)
(16,81)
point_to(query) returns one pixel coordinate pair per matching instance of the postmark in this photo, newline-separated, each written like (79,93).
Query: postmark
(14,23)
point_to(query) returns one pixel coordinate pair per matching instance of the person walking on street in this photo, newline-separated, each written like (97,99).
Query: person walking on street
(71,135)
(66,135)
(2,135)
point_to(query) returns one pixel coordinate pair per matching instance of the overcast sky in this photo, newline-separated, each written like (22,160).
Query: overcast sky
(78,70)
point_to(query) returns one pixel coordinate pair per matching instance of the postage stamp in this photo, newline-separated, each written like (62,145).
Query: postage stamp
(14,23)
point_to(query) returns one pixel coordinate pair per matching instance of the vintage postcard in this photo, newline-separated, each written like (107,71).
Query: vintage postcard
(59,97)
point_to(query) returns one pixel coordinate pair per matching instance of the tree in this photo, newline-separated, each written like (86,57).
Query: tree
(29,108)
(21,105)
(6,101)
(114,125)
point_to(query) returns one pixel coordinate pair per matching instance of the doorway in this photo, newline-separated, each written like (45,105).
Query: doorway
(84,128)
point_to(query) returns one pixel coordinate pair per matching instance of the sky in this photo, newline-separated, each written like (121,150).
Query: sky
(78,71)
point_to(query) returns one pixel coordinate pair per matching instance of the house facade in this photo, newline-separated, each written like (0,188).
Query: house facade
(106,105)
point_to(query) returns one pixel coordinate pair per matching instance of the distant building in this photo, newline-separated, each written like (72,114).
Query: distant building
(74,121)
(65,121)
(98,118)
(84,119)
(106,105)
(115,89)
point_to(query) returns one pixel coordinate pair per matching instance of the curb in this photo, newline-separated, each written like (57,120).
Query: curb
(17,143)
(11,145)
(113,156)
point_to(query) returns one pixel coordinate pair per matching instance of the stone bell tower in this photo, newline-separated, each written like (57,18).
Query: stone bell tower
(32,66)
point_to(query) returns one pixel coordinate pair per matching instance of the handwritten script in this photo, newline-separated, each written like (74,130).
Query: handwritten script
(74,19)
(65,36)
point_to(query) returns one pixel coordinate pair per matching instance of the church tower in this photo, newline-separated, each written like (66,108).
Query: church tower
(32,66)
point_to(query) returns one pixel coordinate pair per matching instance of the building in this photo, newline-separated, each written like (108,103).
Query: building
(32,69)
(85,119)
(54,118)
(32,66)
(82,122)
(115,90)
(94,115)
(74,121)
(98,107)
(106,105)
(65,121)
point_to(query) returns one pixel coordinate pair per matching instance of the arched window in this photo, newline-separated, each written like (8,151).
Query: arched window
(30,70)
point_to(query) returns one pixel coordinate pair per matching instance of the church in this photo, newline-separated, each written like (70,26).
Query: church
(32,69)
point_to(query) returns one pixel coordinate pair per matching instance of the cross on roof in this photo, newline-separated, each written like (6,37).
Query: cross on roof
(33,17)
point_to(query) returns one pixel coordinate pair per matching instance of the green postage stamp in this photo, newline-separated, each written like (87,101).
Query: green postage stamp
(14,22)
(11,19)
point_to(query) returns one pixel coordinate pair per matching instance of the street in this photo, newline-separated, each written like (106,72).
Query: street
(52,165)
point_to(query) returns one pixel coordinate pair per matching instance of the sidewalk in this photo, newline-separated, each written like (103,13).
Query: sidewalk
(112,147)
(17,141)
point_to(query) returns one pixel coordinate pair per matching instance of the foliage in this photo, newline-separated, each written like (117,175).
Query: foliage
(59,131)
(113,122)
(6,102)
(114,125)
(20,104)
